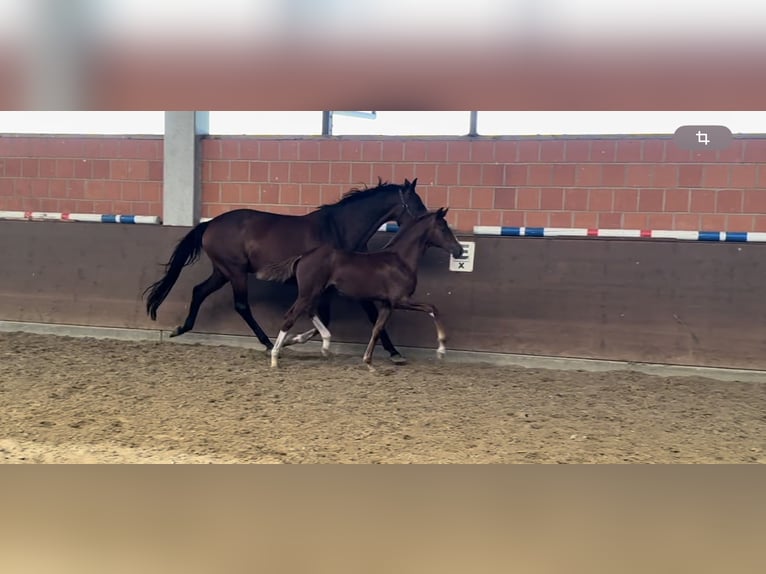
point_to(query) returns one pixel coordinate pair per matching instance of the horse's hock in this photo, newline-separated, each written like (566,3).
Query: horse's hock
(691,303)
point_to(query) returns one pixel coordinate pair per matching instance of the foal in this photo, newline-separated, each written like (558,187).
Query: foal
(387,277)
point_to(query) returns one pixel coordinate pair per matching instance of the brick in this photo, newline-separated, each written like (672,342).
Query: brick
(629,150)
(129,191)
(552,151)
(404,171)
(528,151)
(13,167)
(735,153)
(81,206)
(384,171)
(239,171)
(634,221)
(207,171)
(459,197)
(490,217)
(340,172)
(435,196)
(48,204)
(690,175)
(729,201)
(506,151)
(466,220)
(677,200)
(588,175)
(372,151)
(577,150)
(576,199)
(712,222)
(659,220)
(361,174)
(704,156)
(458,151)
(482,197)
(493,174)
(94,189)
(675,154)
(64,168)
(609,220)
(505,198)
(392,150)
(268,150)
(151,191)
(259,171)
(528,198)
(469,174)
(230,193)
(230,149)
(330,193)
(536,219)
(638,175)
(219,170)
(210,193)
(625,199)
(651,200)
(272,192)
(414,151)
(755,150)
(30,167)
(279,172)
(563,175)
(600,200)
(743,176)
(308,150)
(715,176)
(754,201)
(447,174)
(250,149)
(513,218)
(436,151)
(329,150)
(425,172)
(47,168)
(585,219)
(664,176)
(83,168)
(603,151)
(560,219)
(76,188)
(311,195)
(320,172)
(702,201)
(552,198)
(299,172)
(759,223)
(653,151)
(351,150)
(540,174)
(613,175)
(288,150)
(482,151)
(98,168)
(686,221)
(250,193)
(740,223)
(516,174)
(57,188)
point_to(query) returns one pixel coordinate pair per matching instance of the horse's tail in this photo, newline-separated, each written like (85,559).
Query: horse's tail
(186,253)
(281,271)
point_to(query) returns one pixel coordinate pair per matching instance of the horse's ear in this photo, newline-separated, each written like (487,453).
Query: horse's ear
(442,212)
(414,182)
(407,182)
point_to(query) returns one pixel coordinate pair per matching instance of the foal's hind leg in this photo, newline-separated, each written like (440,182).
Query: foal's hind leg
(372,315)
(200,292)
(323,312)
(383,315)
(297,309)
(242,306)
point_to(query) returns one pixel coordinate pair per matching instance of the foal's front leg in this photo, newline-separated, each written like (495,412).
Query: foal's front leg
(383,314)
(441,334)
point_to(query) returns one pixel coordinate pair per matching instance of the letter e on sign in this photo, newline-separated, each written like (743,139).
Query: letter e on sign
(463,263)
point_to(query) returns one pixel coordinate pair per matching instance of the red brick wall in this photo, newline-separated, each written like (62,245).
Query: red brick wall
(627,182)
(81,174)
(612,183)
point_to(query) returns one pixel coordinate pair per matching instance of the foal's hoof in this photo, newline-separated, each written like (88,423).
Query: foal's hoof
(397,359)
(177,331)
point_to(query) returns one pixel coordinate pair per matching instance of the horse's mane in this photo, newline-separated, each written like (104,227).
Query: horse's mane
(357,193)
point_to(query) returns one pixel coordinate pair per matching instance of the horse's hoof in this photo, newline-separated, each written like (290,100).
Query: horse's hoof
(175,332)
(398,359)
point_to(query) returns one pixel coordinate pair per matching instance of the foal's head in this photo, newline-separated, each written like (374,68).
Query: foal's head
(439,234)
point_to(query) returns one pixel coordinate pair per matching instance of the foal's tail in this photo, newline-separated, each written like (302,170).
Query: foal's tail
(281,271)
(186,253)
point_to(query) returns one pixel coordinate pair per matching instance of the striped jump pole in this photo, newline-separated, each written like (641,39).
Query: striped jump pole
(84,217)
(728,236)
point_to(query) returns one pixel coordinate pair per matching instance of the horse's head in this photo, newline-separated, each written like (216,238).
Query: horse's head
(410,206)
(440,235)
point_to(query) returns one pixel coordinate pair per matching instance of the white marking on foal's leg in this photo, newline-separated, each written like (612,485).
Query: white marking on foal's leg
(442,350)
(276,347)
(324,332)
(302,338)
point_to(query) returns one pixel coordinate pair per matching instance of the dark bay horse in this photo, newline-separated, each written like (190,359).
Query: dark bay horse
(243,241)
(387,277)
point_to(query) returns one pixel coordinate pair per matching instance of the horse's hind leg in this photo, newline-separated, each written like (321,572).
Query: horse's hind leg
(242,306)
(323,313)
(291,317)
(200,292)
(372,315)
(383,315)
